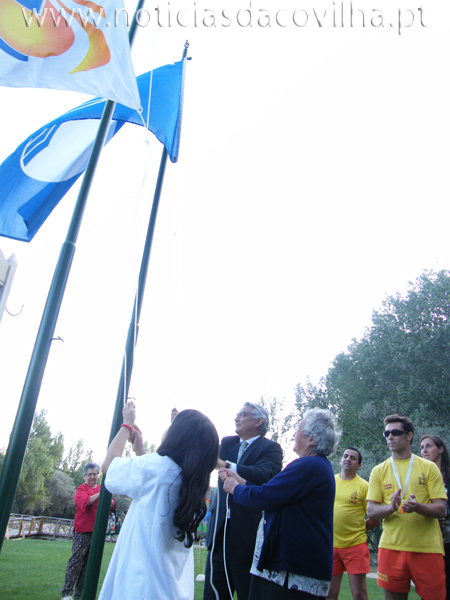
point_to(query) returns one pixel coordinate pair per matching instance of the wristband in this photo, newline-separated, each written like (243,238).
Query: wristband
(127,426)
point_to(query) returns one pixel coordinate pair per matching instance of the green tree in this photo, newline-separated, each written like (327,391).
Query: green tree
(401,365)
(123,504)
(74,461)
(43,453)
(311,396)
(41,430)
(281,421)
(61,490)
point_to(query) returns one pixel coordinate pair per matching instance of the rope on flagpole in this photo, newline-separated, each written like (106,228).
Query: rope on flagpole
(138,217)
(139,222)
(177,241)
(125,378)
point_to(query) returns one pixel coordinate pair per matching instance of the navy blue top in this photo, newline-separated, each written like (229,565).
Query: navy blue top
(298,526)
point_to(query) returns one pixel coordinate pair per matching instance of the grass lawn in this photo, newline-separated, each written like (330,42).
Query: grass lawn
(34,570)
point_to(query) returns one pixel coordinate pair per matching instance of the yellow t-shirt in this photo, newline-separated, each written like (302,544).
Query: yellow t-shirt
(350,507)
(409,531)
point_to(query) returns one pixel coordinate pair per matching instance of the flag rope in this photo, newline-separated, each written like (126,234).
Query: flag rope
(139,222)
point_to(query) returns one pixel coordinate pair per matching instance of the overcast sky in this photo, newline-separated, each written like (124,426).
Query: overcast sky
(312,181)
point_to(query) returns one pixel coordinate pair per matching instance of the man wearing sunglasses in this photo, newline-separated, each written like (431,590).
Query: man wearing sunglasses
(409,495)
(255,459)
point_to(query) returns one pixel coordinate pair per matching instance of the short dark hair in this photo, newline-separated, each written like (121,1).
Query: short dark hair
(192,443)
(356,450)
(408,425)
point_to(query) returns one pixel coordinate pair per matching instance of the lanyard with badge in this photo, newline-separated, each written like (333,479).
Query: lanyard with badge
(408,476)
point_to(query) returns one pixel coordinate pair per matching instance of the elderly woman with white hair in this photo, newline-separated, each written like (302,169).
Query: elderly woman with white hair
(293,556)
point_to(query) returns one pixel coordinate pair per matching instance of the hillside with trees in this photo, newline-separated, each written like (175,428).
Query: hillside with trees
(50,476)
(400,365)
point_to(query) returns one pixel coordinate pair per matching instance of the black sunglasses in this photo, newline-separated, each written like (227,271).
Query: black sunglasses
(395,432)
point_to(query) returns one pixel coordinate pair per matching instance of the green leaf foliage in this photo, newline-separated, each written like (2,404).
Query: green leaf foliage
(49,476)
(61,491)
(42,454)
(400,365)
(75,460)
(281,421)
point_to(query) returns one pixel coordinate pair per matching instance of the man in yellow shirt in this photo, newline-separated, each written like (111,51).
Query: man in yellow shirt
(351,553)
(407,492)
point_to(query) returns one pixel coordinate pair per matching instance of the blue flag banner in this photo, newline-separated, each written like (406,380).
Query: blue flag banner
(76,45)
(35,177)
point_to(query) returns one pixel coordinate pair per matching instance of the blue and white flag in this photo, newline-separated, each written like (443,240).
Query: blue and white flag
(76,45)
(35,177)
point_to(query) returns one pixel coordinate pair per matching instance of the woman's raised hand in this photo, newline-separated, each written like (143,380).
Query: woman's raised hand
(129,413)
(117,446)
(138,441)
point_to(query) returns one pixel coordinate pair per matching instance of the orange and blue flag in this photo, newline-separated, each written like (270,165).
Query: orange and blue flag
(77,45)
(35,177)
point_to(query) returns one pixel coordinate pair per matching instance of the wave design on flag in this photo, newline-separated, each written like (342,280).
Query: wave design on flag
(36,28)
(68,45)
(50,159)
(35,177)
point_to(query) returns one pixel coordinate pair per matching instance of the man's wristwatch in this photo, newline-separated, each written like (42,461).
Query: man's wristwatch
(227,465)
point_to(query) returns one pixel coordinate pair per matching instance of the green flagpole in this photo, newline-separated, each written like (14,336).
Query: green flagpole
(27,406)
(101,519)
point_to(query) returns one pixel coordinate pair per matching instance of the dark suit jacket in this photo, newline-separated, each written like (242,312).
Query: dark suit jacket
(259,463)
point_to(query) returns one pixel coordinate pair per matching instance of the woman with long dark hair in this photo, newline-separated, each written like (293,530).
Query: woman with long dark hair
(153,556)
(432,447)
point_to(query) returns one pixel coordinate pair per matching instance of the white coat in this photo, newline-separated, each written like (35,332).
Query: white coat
(148,563)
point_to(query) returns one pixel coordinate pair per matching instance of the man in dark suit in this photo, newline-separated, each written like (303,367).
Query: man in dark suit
(256,460)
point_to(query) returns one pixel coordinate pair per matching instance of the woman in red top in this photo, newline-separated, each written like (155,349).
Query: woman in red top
(86,501)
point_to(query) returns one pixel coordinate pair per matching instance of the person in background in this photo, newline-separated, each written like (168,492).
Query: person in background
(257,459)
(407,492)
(86,501)
(153,556)
(350,549)
(432,447)
(293,557)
